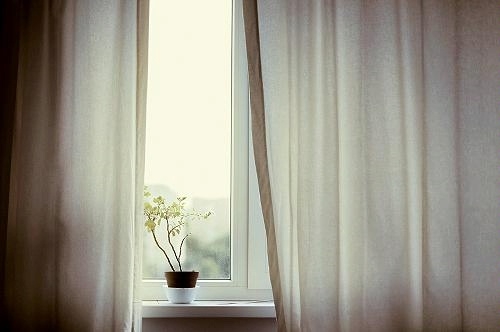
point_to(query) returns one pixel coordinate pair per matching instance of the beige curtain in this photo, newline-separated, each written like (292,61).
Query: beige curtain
(376,132)
(76,166)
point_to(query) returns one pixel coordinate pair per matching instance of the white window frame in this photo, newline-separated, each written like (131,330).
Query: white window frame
(249,270)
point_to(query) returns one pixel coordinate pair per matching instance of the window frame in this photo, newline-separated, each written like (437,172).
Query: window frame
(249,270)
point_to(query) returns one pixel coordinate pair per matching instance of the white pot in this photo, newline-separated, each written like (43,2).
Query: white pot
(180,295)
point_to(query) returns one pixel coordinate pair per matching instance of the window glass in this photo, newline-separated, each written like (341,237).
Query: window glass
(188,128)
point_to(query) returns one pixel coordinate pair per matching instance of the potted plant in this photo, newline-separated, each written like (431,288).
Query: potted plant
(173,218)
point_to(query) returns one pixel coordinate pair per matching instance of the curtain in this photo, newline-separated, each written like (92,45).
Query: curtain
(75,166)
(376,134)
(9,33)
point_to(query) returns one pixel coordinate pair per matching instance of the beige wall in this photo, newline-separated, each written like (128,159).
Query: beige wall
(209,324)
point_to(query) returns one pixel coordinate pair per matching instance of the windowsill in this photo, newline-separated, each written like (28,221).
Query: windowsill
(248,309)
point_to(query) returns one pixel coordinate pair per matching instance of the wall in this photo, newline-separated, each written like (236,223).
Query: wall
(209,324)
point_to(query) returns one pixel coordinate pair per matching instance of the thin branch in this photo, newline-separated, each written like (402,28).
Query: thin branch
(182,242)
(164,252)
(176,226)
(171,244)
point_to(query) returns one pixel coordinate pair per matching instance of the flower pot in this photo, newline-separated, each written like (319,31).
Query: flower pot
(180,295)
(185,279)
(181,286)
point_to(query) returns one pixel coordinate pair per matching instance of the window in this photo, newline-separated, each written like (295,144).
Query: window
(197,145)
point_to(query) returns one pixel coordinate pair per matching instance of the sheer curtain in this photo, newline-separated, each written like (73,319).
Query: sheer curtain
(376,131)
(76,166)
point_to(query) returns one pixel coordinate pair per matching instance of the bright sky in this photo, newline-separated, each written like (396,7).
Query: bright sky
(188,139)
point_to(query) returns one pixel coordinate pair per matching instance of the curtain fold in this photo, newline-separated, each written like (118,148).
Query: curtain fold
(259,140)
(142,79)
(381,140)
(9,38)
(76,166)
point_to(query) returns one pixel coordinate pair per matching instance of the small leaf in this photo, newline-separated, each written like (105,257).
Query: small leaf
(150,225)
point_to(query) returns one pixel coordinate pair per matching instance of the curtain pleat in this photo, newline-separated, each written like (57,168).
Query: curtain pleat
(381,124)
(259,140)
(142,79)
(9,39)
(76,166)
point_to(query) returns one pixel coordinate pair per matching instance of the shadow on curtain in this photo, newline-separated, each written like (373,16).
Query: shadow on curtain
(73,98)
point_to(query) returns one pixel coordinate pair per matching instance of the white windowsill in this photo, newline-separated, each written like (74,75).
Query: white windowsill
(249,309)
